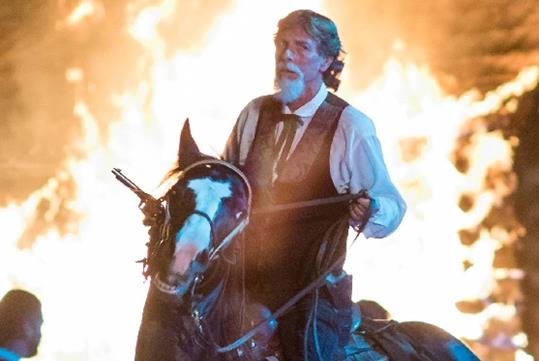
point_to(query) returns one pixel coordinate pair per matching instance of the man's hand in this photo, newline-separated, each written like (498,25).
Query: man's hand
(359,209)
(153,218)
(154,213)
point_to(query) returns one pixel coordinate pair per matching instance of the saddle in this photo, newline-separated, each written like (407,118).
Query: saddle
(385,338)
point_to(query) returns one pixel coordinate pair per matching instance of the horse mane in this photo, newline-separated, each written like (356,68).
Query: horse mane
(172,174)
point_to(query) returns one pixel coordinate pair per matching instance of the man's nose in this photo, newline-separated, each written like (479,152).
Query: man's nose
(286,54)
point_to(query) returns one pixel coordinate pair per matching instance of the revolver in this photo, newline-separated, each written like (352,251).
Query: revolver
(154,214)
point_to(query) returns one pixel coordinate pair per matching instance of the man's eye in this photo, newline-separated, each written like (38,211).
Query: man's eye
(302,46)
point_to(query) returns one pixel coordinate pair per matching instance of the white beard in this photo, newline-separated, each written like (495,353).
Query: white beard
(290,89)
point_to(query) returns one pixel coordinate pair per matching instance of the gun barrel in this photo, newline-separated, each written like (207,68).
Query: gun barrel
(144,197)
(126,181)
(153,211)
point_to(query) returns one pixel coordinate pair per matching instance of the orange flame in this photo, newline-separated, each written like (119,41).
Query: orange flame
(90,287)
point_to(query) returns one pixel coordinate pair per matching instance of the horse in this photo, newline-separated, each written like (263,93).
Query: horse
(197,307)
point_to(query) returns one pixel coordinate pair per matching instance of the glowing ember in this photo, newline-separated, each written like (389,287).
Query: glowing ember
(83,10)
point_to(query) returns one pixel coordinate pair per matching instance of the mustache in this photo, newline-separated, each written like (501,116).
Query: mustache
(282,66)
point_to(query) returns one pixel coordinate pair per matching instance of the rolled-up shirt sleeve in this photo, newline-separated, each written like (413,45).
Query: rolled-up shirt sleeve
(357,163)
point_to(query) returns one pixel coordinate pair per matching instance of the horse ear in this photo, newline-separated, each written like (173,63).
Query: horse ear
(188,152)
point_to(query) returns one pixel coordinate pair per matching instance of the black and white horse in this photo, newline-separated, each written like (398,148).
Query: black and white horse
(197,308)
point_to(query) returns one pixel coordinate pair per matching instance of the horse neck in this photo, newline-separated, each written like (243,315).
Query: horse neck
(220,305)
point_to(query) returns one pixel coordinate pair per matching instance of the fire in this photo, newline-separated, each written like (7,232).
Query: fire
(418,272)
(85,273)
(84,10)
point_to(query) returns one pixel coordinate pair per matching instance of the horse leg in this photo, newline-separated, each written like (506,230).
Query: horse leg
(159,333)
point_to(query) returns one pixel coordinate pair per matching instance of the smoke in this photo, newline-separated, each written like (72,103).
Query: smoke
(468,44)
(37,100)
(53,56)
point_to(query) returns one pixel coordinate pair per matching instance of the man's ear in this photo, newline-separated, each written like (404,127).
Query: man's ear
(326,63)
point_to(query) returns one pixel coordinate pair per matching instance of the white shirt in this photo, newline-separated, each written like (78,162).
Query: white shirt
(356,160)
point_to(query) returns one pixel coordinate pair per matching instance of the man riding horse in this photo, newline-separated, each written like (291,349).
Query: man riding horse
(217,264)
(197,308)
(304,143)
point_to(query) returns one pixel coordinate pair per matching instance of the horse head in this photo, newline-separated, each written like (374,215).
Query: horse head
(206,207)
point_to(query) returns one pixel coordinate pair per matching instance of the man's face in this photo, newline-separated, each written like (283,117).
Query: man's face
(298,64)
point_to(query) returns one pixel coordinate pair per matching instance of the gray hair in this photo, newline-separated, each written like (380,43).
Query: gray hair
(324,31)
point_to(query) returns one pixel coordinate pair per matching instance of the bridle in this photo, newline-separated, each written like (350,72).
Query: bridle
(216,247)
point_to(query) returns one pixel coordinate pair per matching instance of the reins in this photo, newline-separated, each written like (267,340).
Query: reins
(214,251)
(318,282)
(342,198)
(315,284)
(215,246)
